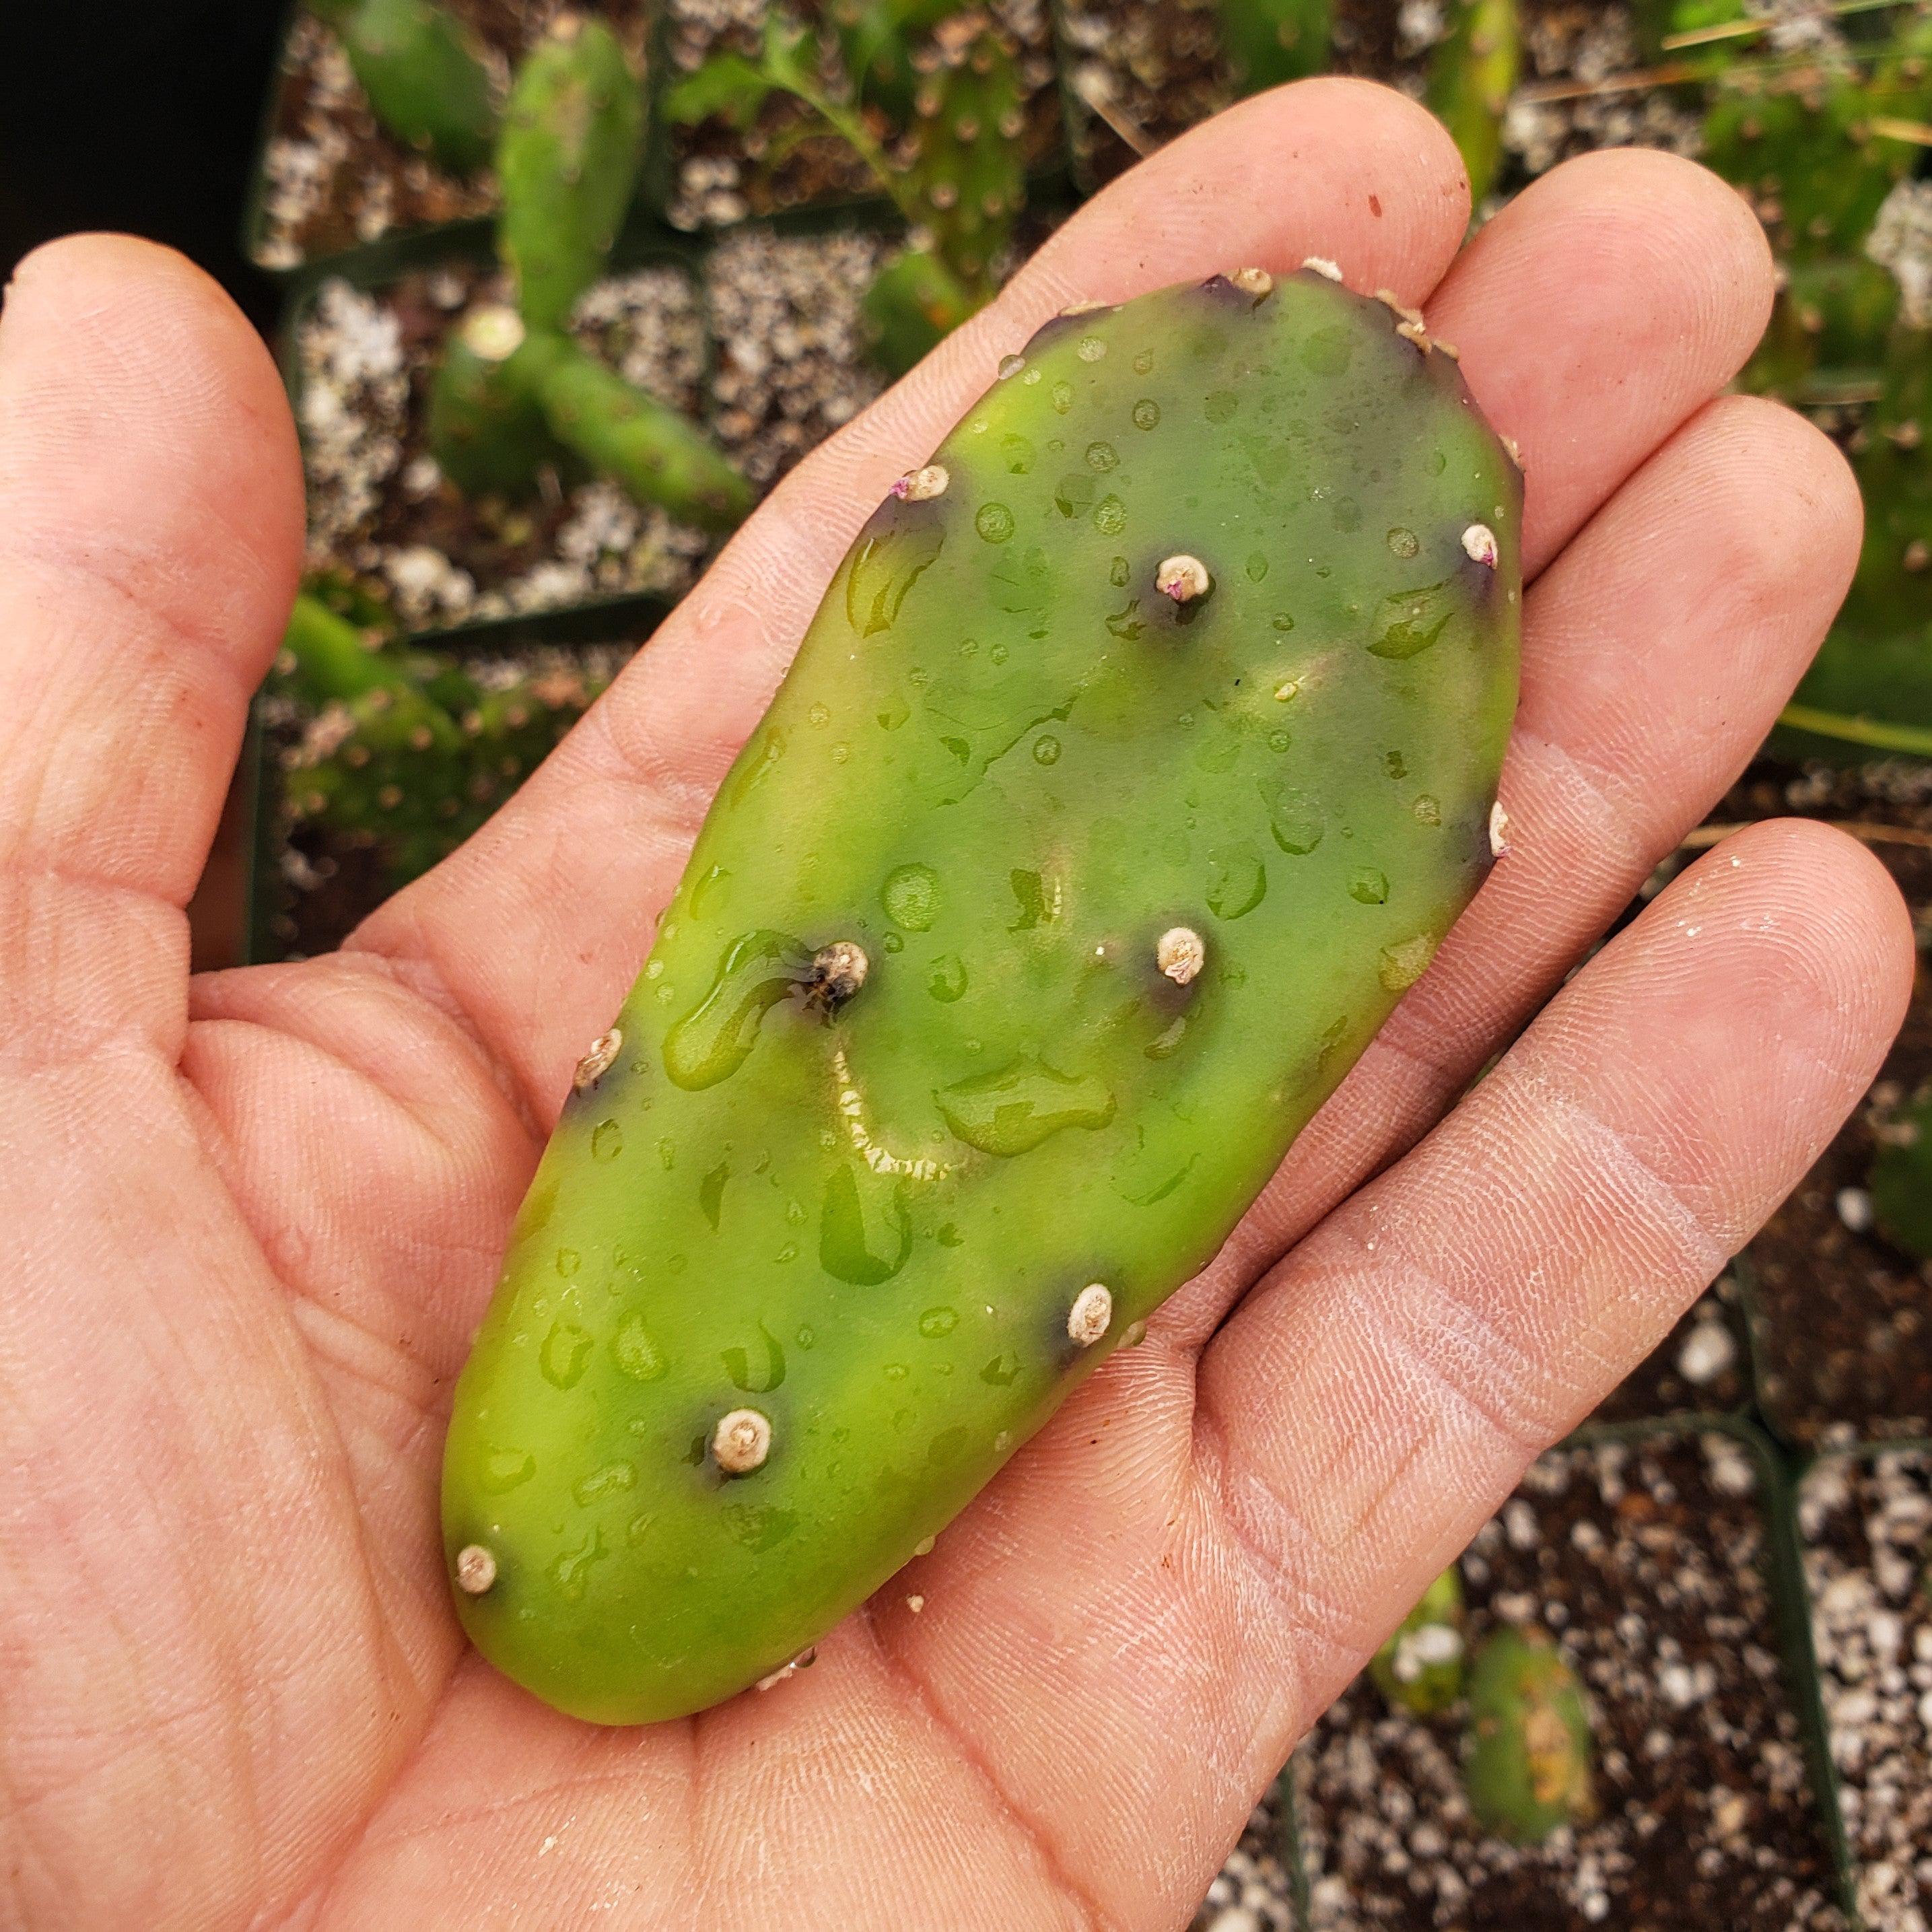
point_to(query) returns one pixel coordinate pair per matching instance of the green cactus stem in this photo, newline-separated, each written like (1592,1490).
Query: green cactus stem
(914,303)
(1420,1668)
(424,79)
(568,159)
(1266,42)
(486,423)
(657,455)
(1140,753)
(1901,1180)
(1530,1744)
(1828,333)
(1471,75)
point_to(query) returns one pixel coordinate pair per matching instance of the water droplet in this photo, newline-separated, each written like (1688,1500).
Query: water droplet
(1236,880)
(1030,895)
(840,753)
(566,1349)
(1002,1371)
(1279,741)
(1110,515)
(1282,621)
(999,653)
(1046,749)
(1257,566)
(883,572)
(897,1372)
(613,1479)
(946,978)
(1026,1102)
(636,1352)
(503,1469)
(1144,362)
(938,1321)
(1118,571)
(820,715)
(1090,349)
(606,1141)
(864,1236)
(1016,455)
(1011,366)
(1062,395)
(1295,819)
(995,522)
(895,713)
(893,942)
(950,1236)
(568,1260)
(807,1336)
(1328,352)
(706,889)
(714,1039)
(1369,886)
(1403,964)
(1427,808)
(1221,406)
(667,1152)
(910,897)
(1410,621)
(711,1191)
(1147,413)
(571,1572)
(1404,543)
(1102,456)
(757,1370)
(1395,764)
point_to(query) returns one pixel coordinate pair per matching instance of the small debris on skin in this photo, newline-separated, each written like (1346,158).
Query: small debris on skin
(1183,578)
(741,1441)
(1479,541)
(1091,1315)
(597,1062)
(1181,952)
(804,1661)
(475,1569)
(1320,265)
(1515,450)
(915,1604)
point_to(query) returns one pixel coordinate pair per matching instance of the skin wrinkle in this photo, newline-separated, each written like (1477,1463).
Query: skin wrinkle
(1092,1916)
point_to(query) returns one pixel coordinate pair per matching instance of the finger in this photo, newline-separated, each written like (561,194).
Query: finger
(150,535)
(575,870)
(1135,1628)
(1658,649)
(1608,302)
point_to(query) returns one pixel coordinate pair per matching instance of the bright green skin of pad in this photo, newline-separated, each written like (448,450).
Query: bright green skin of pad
(1004,764)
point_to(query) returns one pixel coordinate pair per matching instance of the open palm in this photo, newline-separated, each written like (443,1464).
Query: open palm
(248,1221)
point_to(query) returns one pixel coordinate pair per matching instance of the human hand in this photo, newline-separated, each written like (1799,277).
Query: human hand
(250,1220)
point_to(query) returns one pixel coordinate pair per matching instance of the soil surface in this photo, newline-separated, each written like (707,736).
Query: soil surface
(335,180)
(1139,72)
(1844,1319)
(379,511)
(1642,1563)
(1868,1529)
(720,175)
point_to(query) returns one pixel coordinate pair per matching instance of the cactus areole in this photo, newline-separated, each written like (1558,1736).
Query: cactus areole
(1134,878)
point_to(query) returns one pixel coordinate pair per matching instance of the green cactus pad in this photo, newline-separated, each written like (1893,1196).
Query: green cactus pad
(568,159)
(1530,1740)
(914,303)
(1266,42)
(1901,1181)
(1141,753)
(425,83)
(1421,1667)
(486,425)
(1471,77)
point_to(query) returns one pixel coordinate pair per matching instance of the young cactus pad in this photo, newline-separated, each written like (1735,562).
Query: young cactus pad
(1140,753)
(1421,1667)
(1530,1739)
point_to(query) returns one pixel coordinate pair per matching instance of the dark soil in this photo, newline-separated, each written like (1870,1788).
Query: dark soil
(720,175)
(1642,1563)
(1868,1529)
(380,512)
(1844,1319)
(335,180)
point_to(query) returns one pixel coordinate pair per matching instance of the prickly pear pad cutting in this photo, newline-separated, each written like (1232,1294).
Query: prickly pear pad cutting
(1141,753)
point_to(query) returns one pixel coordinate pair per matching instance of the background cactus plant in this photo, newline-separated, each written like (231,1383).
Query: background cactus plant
(1422,1666)
(426,81)
(1530,1748)
(514,393)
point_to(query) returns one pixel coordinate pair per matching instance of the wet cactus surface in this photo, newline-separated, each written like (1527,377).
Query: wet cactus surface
(1141,753)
